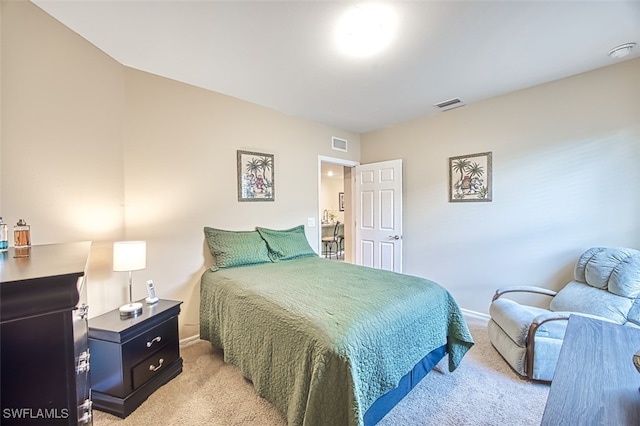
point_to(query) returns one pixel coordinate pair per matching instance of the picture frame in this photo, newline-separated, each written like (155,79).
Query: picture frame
(341,201)
(470,178)
(256,176)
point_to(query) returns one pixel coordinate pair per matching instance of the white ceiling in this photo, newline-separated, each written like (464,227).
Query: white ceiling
(281,54)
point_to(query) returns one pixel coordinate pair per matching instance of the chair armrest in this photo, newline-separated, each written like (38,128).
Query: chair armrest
(523,289)
(533,329)
(559,316)
(546,317)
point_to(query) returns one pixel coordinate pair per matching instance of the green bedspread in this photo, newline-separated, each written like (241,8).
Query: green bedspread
(321,339)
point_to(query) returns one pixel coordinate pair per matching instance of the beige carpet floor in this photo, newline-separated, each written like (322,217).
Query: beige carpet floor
(482,391)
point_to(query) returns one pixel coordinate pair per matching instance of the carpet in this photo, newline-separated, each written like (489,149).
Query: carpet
(482,391)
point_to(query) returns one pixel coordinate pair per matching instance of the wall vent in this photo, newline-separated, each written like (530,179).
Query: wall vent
(449,104)
(339,144)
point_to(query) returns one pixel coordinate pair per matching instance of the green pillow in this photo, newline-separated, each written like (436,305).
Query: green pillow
(235,248)
(286,244)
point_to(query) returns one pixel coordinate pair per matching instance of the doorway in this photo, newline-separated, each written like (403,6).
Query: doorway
(335,186)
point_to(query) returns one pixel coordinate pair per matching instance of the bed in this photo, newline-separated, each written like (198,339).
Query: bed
(326,342)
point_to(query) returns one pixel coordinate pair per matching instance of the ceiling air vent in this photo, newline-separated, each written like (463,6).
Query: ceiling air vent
(450,104)
(339,144)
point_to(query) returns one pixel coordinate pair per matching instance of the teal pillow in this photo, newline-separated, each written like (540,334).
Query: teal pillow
(287,243)
(235,248)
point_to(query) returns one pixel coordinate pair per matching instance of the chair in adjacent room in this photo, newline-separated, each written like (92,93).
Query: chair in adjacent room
(340,238)
(606,286)
(331,242)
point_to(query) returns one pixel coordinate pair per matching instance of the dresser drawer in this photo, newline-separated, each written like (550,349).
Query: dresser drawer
(152,340)
(155,364)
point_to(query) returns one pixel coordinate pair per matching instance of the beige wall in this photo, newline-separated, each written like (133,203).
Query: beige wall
(92,150)
(1,97)
(566,158)
(180,174)
(331,187)
(62,131)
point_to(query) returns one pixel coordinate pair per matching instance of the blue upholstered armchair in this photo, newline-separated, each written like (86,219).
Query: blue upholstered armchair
(606,286)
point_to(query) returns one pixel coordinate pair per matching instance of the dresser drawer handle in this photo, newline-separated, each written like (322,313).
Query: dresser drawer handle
(83,311)
(151,342)
(160,362)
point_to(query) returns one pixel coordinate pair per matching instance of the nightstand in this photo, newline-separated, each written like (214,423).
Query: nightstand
(131,358)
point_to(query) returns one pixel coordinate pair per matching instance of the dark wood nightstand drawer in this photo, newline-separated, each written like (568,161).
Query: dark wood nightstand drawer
(155,364)
(150,341)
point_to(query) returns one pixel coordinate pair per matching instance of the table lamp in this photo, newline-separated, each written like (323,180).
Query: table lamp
(130,256)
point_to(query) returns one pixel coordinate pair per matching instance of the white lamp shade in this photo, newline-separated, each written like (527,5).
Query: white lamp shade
(129,255)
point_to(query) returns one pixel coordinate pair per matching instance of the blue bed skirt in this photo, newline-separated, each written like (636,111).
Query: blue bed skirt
(386,402)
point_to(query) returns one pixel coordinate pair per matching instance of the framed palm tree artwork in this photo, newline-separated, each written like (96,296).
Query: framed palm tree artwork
(470,177)
(256,173)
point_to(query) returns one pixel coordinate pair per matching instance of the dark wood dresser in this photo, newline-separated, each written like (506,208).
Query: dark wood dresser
(43,332)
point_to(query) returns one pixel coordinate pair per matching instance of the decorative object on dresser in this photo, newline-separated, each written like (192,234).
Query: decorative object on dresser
(130,256)
(43,324)
(4,236)
(22,239)
(133,357)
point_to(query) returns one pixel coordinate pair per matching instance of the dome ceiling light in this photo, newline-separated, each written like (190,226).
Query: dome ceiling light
(365,29)
(621,51)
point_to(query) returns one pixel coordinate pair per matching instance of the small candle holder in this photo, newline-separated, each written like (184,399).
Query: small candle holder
(22,239)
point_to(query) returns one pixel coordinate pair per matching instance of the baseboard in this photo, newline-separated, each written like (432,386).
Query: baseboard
(188,340)
(475,314)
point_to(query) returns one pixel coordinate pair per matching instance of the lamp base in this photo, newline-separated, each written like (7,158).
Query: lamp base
(130,310)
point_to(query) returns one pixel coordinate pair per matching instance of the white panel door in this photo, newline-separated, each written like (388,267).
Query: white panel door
(378,202)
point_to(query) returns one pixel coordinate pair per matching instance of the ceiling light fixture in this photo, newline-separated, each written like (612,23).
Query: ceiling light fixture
(365,29)
(621,51)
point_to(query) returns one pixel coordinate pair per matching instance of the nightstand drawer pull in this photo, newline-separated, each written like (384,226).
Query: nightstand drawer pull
(152,368)
(154,365)
(151,342)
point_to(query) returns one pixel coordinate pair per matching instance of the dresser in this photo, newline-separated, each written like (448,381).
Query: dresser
(43,327)
(132,357)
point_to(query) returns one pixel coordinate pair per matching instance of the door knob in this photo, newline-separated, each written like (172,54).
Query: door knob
(394,237)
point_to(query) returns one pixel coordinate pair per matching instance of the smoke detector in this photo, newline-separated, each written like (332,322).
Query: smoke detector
(621,51)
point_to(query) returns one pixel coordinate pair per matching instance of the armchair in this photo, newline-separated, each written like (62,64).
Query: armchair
(606,286)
